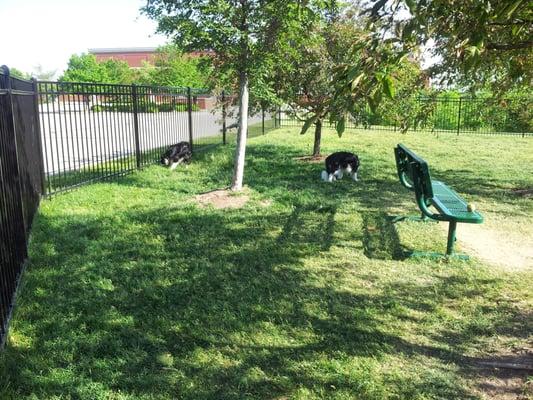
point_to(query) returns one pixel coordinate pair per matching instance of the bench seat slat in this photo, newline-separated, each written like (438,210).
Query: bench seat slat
(451,204)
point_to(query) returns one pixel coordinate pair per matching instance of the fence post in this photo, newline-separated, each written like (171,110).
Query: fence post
(459,117)
(189,107)
(223,117)
(279,117)
(135,101)
(35,87)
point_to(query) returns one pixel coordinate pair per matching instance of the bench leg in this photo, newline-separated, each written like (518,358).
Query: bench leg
(452,229)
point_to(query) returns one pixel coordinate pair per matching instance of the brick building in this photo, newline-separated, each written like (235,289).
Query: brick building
(133,56)
(136,56)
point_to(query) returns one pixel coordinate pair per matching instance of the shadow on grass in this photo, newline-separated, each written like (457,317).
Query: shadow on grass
(203,305)
(199,304)
(380,237)
(146,305)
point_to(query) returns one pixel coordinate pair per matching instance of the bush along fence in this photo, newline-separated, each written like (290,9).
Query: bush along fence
(56,136)
(21,182)
(445,114)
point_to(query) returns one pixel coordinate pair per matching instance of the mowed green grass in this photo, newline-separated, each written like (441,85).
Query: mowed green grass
(133,291)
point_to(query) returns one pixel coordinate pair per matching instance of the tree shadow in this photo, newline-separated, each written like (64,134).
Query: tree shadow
(310,224)
(204,304)
(380,237)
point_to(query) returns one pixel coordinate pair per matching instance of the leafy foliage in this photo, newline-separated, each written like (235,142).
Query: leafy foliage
(309,85)
(85,68)
(17,73)
(144,107)
(173,68)
(404,110)
(476,41)
(335,73)
(368,74)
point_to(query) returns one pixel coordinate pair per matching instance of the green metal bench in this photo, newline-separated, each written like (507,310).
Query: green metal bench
(413,172)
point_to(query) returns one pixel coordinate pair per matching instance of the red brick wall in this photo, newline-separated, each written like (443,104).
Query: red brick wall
(134,60)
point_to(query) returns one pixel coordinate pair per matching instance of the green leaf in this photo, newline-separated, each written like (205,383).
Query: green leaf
(352,73)
(508,9)
(307,124)
(356,81)
(388,86)
(473,51)
(341,125)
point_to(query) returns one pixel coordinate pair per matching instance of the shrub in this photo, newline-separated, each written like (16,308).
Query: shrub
(148,107)
(143,107)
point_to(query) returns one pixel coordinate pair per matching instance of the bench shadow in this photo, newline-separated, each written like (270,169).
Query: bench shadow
(380,237)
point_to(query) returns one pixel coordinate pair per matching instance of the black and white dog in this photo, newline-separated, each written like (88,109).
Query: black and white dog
(337,164)
(176,154)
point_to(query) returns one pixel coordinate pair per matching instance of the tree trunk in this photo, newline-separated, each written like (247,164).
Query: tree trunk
(238,172)
(318,136)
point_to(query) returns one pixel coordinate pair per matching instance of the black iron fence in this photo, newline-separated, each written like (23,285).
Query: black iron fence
(21,182)
(93,132)
(457,115)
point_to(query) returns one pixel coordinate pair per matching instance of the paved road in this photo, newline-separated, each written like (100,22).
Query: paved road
(76,139)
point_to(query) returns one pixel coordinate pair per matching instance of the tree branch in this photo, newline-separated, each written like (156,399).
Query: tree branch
(510,46)
(515,22)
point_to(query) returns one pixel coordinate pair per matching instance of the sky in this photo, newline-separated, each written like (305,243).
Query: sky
(48,32)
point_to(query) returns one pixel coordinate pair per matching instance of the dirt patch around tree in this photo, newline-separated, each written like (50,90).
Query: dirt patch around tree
(311,159)
(223,198)
(495,247)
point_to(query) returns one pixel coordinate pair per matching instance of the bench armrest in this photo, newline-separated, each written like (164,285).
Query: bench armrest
(401,168)
(427,212)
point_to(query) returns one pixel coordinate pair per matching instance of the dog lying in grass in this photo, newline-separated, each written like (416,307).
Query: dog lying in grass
(176,154)
(340,163)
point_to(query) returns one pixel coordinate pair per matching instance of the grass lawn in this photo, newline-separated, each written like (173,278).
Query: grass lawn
(133,291)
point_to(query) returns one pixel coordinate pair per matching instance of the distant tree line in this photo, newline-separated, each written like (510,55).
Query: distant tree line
(170,67)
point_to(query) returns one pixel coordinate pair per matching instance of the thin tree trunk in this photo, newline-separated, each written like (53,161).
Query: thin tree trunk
(318,137)
(238,172)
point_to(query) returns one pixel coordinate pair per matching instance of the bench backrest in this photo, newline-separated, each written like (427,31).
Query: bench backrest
(413,171)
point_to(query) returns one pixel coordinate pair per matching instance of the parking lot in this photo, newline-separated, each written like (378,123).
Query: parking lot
(76,138)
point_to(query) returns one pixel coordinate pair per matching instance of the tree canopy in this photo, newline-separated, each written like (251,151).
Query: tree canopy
(474,41)
(85,68)
(309,85)
(173,68)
